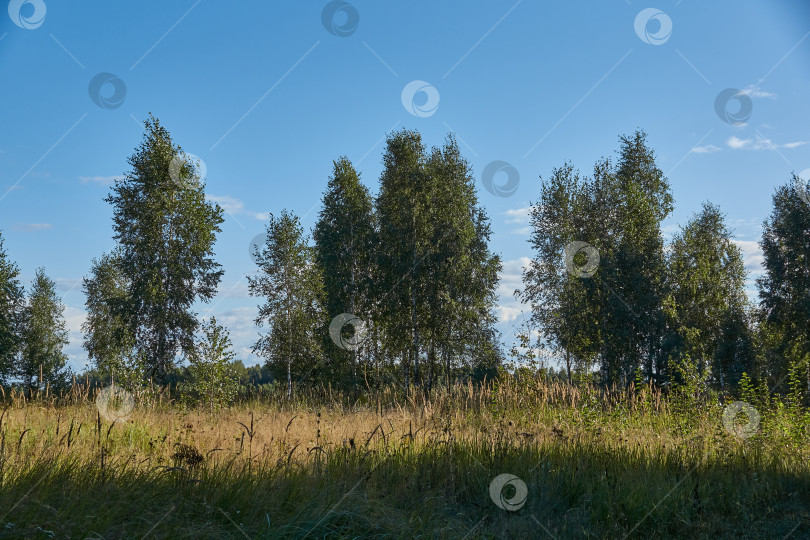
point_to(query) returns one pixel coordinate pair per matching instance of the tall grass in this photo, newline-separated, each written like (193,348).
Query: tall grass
(597,463)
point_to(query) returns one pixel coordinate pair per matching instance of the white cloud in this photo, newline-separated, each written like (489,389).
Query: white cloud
(234,206)
(228,203)
(32,227)
(507,314)
(737,143)
(511,275)
(518,215)
(755,92)
(752,256)
(764,144)
(761,143)
(708,149)
(508,308)
(74,318)
(103,180)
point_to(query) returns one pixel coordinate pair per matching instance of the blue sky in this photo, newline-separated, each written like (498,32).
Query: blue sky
(267,95)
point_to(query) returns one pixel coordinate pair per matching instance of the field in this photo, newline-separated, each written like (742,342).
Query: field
(596,464)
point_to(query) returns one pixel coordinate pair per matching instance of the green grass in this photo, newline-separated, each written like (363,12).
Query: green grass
(594,466)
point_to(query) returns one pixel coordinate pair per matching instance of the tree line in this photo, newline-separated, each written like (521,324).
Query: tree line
(399,288)
(612,299)
(411,268)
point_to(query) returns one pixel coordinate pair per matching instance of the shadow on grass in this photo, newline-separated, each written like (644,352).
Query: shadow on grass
(439,490)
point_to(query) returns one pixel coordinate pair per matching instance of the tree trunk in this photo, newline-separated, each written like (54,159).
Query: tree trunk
(289,379)
(406,370)
(351,307)
(432,365)
(567,363)
(415,333)
(447,366)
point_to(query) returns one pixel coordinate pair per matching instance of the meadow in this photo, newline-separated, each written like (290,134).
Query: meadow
(620,463)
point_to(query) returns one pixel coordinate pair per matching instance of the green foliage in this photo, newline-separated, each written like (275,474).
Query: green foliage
(522,354)
(461,271)
(784,289)
(345,239)
(166,231)
(291,285)
(414,264)
(688,381)
(213,379)
(614,316)
(748,391)
(108,338)
(12,298)
(404,242)
(44,336)
(437,277)
(640,313)
(706,307)
(690,392)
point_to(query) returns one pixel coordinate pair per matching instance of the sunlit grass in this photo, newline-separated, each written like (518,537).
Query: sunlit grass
(596,464)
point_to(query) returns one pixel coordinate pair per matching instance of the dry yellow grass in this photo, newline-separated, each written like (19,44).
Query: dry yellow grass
(595,463)
(276,430)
